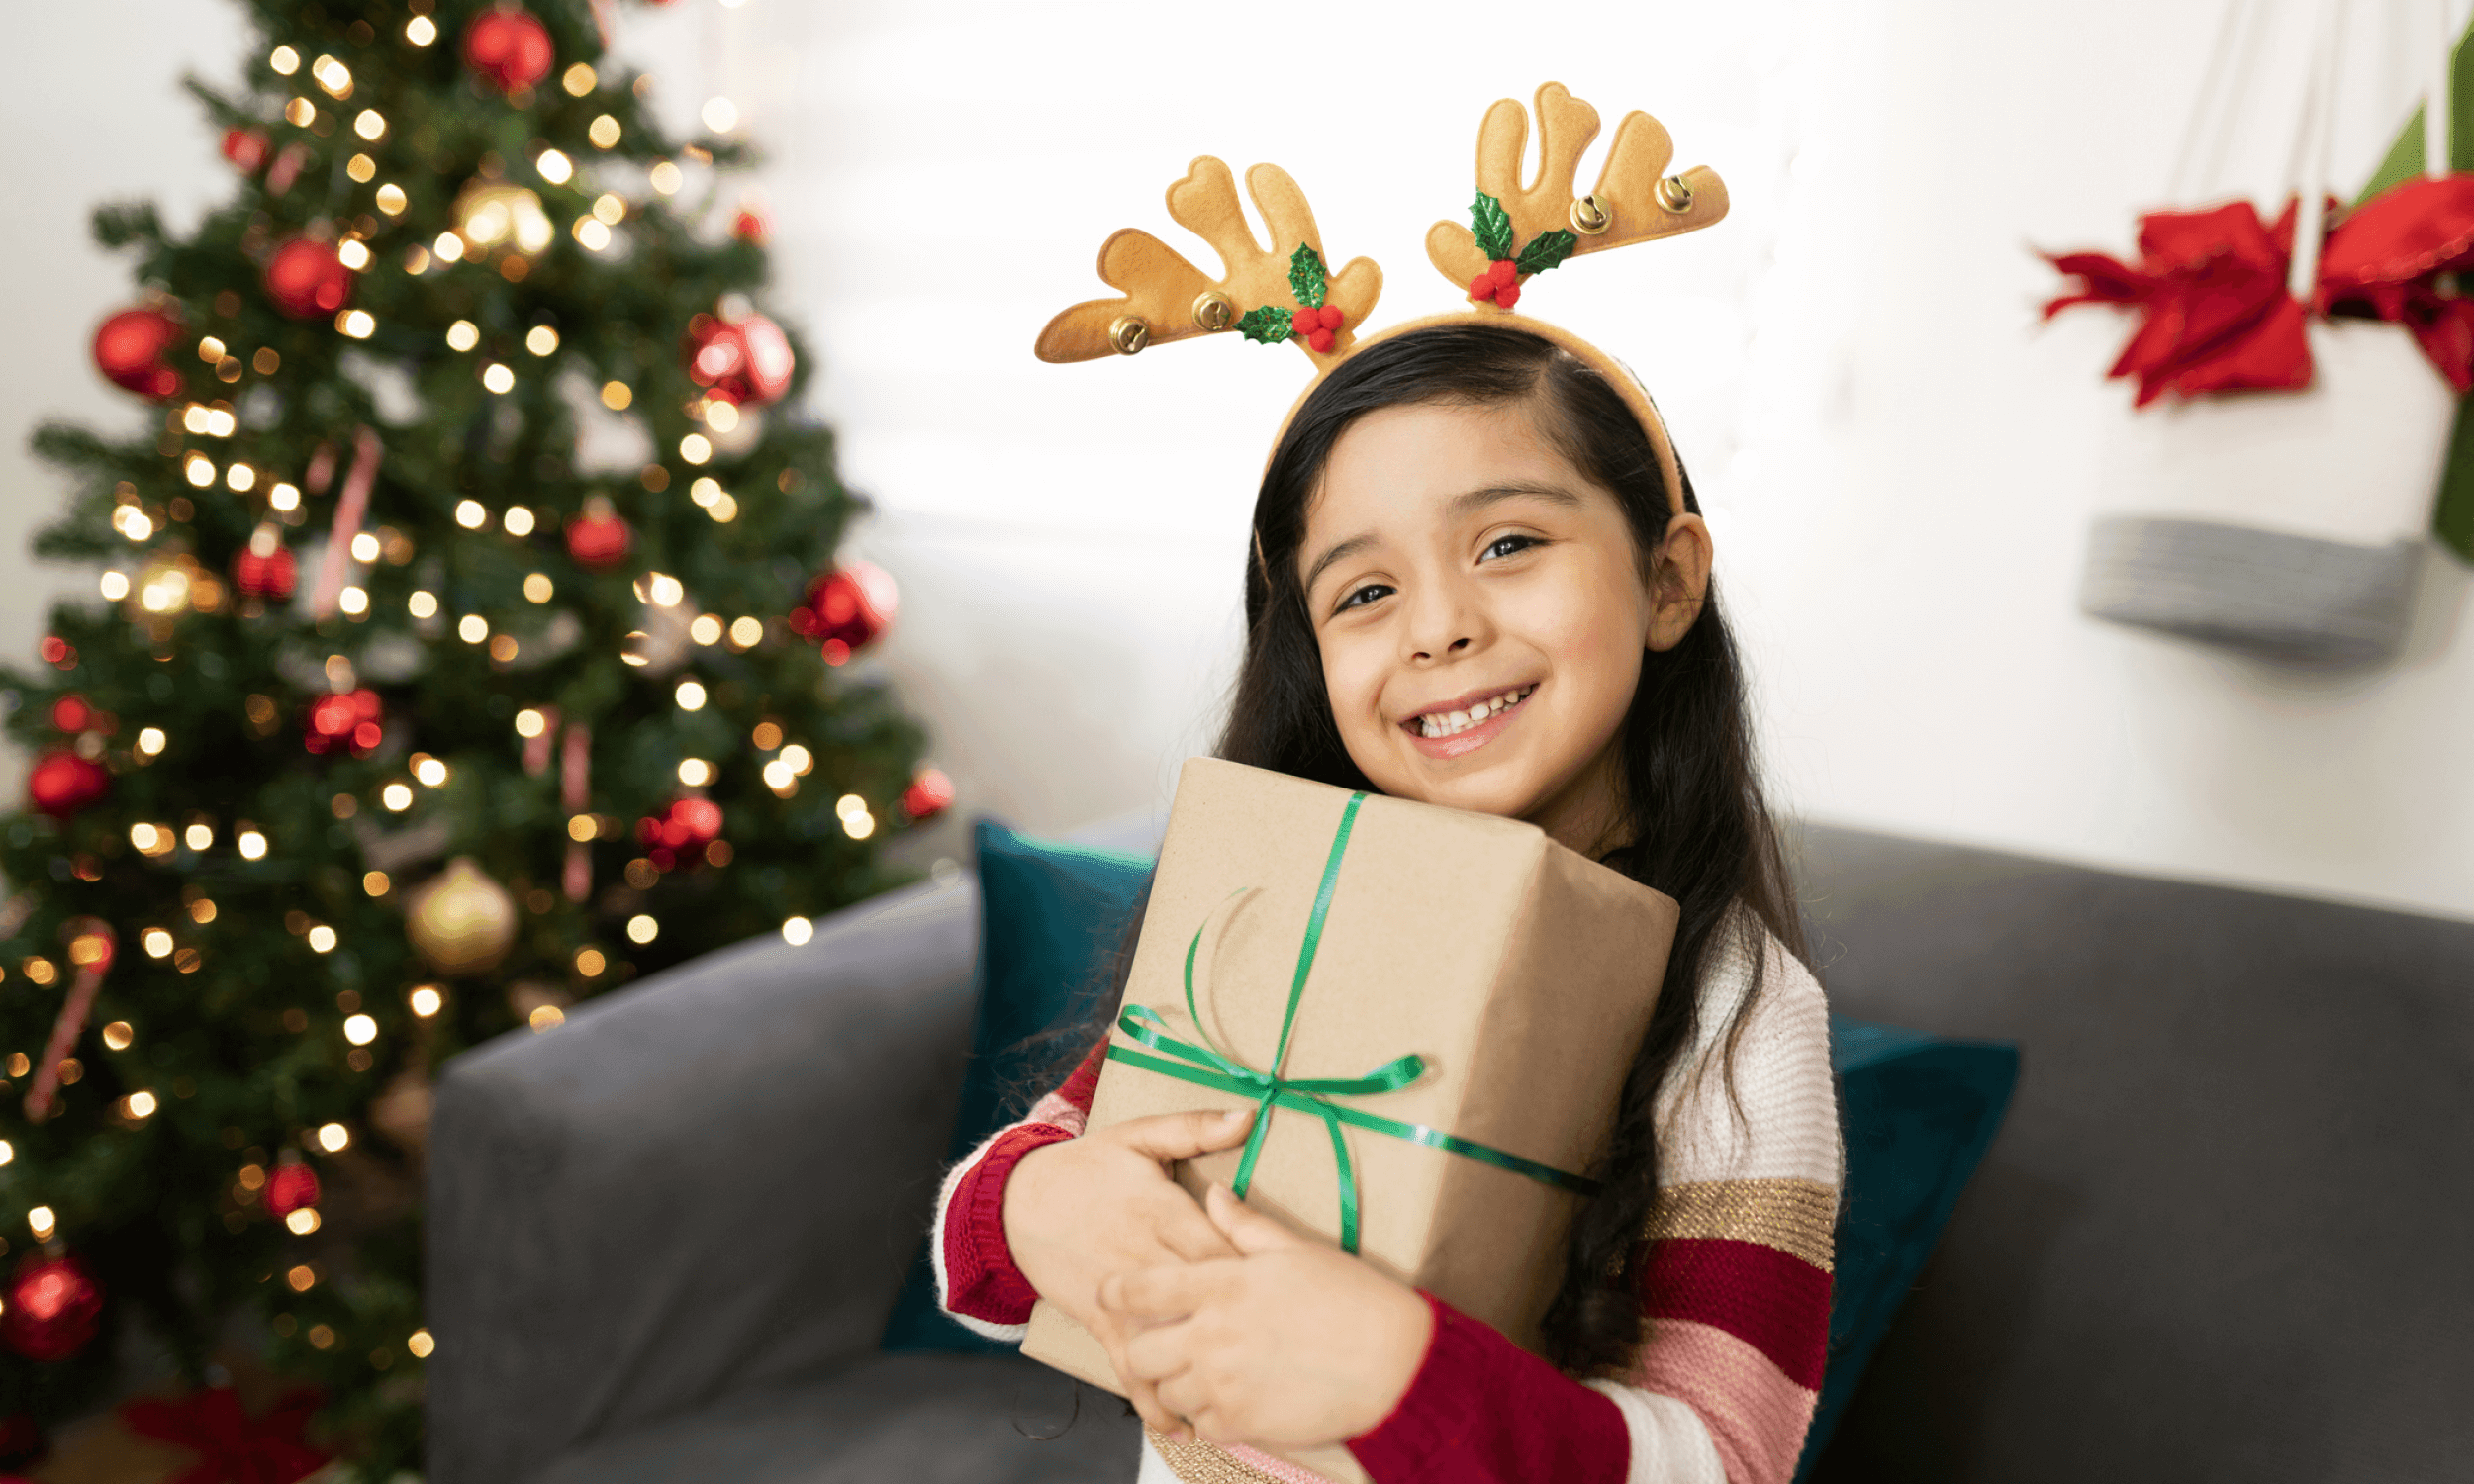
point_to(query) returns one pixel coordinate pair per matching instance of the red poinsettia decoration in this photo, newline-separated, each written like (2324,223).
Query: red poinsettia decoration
(2385,260)
(2211,286)
(2216,313)
(232,1448)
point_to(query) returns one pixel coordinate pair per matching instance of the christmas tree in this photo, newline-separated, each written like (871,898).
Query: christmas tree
(403,714)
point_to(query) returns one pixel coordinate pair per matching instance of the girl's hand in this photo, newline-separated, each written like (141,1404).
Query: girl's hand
(1292,1344)
(1084,1209)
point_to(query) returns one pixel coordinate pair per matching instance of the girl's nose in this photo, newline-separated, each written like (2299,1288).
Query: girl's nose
(1442,624)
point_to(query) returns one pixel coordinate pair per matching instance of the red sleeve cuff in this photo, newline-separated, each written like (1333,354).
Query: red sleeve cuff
(1085,1081)
(1484,1411)
(981,1280)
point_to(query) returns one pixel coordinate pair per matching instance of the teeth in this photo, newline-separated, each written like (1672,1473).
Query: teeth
(1449,723)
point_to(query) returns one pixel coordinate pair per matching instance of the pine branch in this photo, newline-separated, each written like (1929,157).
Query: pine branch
(119,224)
(220,108)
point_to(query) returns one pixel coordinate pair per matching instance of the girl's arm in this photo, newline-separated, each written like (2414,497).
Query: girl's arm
(1735,1288)
(977,1281)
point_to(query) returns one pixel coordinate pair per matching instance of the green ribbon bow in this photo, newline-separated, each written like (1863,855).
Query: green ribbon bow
(1208,1065)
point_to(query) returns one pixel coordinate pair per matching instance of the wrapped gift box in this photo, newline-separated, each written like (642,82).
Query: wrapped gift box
(1518,973)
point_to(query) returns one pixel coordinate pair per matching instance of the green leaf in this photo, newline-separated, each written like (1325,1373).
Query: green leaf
(1488,223)
(2453,520)
(1305,276)
(1546,249)
(1267,326)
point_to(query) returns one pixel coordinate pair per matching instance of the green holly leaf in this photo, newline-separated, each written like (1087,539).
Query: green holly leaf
(1267,326)
(1305,276)
(1546,249)
(1488,223)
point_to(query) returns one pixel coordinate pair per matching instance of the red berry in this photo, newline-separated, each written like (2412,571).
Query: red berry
(1505,271)
(1301,322)
(1332,318)
(1481,288)
(1508,296)
(1320,341)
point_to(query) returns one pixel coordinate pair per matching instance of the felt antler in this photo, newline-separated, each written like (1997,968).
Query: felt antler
(1270,295)
(1519,231)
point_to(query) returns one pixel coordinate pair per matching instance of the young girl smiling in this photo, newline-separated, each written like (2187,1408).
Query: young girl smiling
(1476,584)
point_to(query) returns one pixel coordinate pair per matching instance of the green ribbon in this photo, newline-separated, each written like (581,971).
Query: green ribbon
(1209,1066)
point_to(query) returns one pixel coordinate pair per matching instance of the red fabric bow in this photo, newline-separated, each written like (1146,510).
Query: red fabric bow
(2216,316)
(232,1447)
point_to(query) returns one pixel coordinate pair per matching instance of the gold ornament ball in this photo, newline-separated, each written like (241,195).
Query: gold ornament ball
(460,920)
(492,213)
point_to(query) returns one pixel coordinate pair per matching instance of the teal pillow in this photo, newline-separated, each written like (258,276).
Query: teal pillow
(1051,918)
(1917,1113)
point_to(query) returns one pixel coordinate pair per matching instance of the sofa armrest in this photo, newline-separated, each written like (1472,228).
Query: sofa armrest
(714,1178)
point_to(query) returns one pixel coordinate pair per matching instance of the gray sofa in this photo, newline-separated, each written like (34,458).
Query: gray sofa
(2223,1234)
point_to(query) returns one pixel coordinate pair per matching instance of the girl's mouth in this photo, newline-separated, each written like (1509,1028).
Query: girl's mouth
(1452,734)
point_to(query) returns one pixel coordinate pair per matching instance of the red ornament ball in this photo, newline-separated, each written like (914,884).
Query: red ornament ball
(70,713)
(749,225)
(62,783)
(599,539)
(128,351)
(691,825)
(289,1187)
(54,1308)
(345,722)
(745,360)
(847,608)
(509,48)
(273,573)
(928,796)
(245,147)
(307,280)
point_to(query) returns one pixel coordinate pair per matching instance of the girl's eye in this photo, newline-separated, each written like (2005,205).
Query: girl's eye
(1506,545)
(1364,594)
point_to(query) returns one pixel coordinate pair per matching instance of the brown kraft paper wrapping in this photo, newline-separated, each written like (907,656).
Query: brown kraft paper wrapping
(1520,971)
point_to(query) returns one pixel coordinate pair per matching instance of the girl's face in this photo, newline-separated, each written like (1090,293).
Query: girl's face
(1481,613)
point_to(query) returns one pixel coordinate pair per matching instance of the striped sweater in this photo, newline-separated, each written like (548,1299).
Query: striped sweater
(1735,1284)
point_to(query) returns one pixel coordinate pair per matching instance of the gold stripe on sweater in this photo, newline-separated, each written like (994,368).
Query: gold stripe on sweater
(1794,1215)
(1199,1462)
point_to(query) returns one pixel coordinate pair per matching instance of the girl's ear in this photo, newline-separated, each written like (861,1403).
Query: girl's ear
(1678,581)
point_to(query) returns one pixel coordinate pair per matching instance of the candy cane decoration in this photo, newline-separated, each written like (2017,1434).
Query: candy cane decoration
(538,747)
(350,508)
(91,946)
(575,791)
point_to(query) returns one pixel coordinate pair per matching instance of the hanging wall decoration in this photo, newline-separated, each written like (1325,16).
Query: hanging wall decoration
(2297,380)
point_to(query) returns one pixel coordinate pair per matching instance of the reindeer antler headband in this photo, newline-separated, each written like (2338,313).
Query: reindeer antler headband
(1288,292)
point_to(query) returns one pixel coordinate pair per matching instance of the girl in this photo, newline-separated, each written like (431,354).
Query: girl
(1473,587)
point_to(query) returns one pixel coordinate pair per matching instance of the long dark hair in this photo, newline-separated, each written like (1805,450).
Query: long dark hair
(1700,829)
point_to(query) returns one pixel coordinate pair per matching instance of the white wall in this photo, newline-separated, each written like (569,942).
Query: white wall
(1897,463)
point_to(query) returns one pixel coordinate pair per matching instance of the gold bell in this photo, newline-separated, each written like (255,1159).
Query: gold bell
(1591,215)
(1213,312)
(1128,335)
(1674,195)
